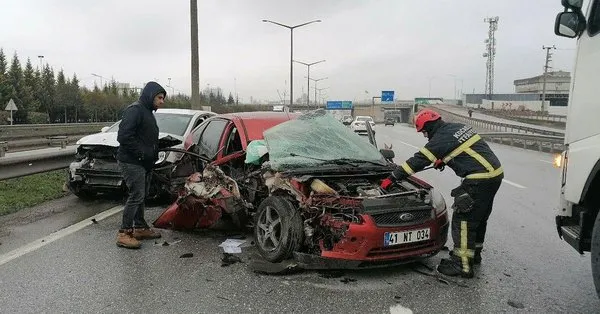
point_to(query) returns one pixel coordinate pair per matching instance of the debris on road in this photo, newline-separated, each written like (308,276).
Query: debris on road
(187,255)
(516,304)
(232,246)
(94,221)
(230,259)
(262,266)
(331,274)
(223,298)
(507,275)
(348,280)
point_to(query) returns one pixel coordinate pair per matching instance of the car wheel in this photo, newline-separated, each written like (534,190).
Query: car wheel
(278,229)
(595,254)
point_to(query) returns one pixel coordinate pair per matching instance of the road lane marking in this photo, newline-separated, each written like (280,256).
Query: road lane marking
(413,146)
(41,242)
(513,184)
(548,162)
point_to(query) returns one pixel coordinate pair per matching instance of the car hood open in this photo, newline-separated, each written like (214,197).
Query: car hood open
(110,139)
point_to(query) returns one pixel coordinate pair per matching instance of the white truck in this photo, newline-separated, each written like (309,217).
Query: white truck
(577,218)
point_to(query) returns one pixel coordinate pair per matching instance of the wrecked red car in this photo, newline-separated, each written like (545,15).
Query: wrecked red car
(309,189)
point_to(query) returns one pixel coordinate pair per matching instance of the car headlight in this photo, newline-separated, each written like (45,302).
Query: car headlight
(162,156)
(437,201)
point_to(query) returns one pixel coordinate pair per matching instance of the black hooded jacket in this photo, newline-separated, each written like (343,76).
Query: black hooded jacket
(459,147)
(138,132)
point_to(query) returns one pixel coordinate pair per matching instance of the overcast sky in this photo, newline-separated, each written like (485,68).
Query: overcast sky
(369,45)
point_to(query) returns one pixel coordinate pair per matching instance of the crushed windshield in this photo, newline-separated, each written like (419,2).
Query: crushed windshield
(293,143)
(170,123)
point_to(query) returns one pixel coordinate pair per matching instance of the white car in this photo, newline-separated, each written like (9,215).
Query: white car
(359,124)
(95,167)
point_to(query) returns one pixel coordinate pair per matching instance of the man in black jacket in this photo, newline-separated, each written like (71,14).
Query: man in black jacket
(462,149)
(138,151)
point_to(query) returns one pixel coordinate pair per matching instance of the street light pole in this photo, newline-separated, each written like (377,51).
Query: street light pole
(291,28)
(101,77)
(316,80)
(308,80)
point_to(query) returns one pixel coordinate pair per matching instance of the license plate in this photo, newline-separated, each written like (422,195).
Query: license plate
(395,238)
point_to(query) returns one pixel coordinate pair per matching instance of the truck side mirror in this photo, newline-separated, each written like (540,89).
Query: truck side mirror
(569,24)
(572,4)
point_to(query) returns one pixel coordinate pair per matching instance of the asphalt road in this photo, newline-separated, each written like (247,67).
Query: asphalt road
(526,267)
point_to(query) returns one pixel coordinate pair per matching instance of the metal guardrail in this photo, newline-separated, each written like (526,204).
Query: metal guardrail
(19,166)
(498,126)
(542,143)
(32,136)
(526,115)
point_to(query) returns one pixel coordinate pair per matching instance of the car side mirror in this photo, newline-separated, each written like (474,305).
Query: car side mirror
(569,24)
(104,129)
(387,153)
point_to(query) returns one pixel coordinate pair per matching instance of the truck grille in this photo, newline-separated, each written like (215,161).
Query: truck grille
(401,218)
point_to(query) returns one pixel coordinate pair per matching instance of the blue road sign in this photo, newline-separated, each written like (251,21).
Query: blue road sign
(339,104)
(387,95)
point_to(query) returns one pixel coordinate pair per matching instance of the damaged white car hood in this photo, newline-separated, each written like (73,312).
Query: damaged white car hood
(110,139)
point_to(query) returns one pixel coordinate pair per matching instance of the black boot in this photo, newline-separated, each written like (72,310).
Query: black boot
(453,267)
(477,259)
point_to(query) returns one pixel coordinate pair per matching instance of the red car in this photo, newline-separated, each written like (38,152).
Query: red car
(309,188)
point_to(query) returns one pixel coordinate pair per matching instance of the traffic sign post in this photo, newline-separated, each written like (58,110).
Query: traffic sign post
(387,95)
(11,106)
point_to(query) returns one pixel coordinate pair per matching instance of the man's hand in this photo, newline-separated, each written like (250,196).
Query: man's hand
(386,183)
(439,165)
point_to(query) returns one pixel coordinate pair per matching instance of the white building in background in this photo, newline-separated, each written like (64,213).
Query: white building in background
(556,83)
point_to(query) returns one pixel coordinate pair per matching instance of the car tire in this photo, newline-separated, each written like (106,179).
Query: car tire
(278,229)
(595,254)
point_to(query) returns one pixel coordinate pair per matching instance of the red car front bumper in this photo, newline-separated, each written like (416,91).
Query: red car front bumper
(363,246)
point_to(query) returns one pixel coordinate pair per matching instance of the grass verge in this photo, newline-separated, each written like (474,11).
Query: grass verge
(24,192)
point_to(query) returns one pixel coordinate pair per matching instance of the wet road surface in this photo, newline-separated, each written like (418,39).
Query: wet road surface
(526,267)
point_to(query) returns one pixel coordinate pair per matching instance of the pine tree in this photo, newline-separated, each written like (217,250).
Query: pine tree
(15,79)
(230,100)
(30,103)
(47,92)
(61,100)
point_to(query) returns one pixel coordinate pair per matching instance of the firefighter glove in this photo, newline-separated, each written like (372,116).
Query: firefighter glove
(386,183)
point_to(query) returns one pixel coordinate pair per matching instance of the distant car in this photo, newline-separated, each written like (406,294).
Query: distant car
(95,167)
(389,121)
(347,120)
(359,124)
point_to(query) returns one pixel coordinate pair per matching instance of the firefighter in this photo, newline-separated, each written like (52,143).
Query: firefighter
(462,149)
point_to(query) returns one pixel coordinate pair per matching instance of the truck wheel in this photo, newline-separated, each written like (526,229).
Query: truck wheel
(278,229)
(596,254)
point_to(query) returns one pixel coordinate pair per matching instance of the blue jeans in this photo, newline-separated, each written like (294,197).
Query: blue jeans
(137,180)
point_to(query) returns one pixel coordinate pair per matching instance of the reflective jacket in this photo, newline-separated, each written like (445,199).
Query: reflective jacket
(459,147)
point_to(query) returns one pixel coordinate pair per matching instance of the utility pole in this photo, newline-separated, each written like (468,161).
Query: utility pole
(548,59)
(195,62)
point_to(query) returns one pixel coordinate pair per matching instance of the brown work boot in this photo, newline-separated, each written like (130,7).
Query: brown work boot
(145,233)
(125,239)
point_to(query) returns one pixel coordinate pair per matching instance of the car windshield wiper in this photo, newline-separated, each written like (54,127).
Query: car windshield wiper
(340,161)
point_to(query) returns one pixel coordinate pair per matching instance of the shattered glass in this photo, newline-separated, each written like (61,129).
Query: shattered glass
(317,134)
